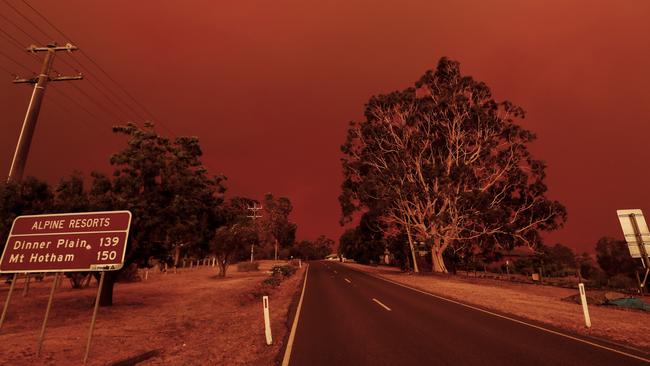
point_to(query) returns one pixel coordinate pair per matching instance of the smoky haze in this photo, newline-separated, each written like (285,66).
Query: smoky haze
(269,87)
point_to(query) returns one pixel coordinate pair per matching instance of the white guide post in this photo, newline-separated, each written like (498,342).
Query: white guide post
(267,321)
(583,300)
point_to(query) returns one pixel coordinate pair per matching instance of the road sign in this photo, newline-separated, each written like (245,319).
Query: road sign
(635,230)
(71,242)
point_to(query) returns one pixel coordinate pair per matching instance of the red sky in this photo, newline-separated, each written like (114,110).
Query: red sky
(269,88)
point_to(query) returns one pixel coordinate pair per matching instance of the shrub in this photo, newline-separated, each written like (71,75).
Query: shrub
(598,279)
(129,274)
(621,281)
(248,266)
(272,281)
(294,262)
(286,270)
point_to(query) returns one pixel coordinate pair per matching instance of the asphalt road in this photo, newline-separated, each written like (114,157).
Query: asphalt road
(345,320)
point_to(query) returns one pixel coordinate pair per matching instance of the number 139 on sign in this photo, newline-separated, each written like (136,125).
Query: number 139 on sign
(109,241)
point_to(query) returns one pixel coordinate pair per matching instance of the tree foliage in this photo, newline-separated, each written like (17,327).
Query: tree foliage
(362,245)
(177,207)
(614,258)
(168,191)
(29,197)
(236,235)
(446,163)
(275,224)
(558,260)
(310,250)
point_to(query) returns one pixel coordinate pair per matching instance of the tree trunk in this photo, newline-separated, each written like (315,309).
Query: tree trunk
(438,264)
(408,263)
(106,292)
(223,266)
(177,255)
(415,260)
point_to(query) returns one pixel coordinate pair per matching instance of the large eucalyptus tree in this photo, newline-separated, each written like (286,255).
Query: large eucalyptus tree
(447,164)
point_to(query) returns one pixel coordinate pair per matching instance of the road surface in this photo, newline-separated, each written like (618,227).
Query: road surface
(351,318)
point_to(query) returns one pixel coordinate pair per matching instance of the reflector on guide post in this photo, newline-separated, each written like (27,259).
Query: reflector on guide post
(635,230)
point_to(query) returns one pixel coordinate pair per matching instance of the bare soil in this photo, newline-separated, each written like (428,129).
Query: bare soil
(540,303)
(189,318)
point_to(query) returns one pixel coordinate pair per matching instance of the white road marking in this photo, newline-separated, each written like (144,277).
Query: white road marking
(516,320)
(380,304)
(292,335)
(348,281)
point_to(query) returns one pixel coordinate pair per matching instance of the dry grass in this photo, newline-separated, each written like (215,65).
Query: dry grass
(536,302)
(189,318)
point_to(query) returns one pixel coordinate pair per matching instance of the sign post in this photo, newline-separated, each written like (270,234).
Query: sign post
(47,313)
(92,321)
(637,236)
(71,242)
(11,290)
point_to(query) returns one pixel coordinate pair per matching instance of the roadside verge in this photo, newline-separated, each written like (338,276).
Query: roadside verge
(540,304)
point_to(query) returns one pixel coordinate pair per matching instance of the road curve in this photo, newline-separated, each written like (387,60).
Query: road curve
(351,318)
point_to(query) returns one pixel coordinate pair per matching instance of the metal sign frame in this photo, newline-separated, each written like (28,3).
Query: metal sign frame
(637,237)
(635,231)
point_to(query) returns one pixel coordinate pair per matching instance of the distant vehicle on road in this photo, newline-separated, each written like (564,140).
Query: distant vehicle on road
(336,257)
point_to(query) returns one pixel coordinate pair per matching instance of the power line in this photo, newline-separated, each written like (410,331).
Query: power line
(47,21)
(14,42)
(7,71)
(100,105)
(110,90)
(19,28)
(16,62)
(12,39)
(73,101)
(111,101)
(100,68)
(66,37)
(29,20)
(125,91)
(69,112)
(124,113)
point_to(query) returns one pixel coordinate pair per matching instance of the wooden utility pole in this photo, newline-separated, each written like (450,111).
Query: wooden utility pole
(29,124)
(254,216)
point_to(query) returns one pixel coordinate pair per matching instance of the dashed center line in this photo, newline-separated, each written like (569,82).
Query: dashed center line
(348,281)
(380,304)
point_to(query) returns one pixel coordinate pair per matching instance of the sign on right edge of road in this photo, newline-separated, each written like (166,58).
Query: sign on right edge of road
(631,221)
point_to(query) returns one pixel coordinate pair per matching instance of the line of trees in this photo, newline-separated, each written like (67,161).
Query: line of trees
(443,163)
(178,209)
(612,265)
